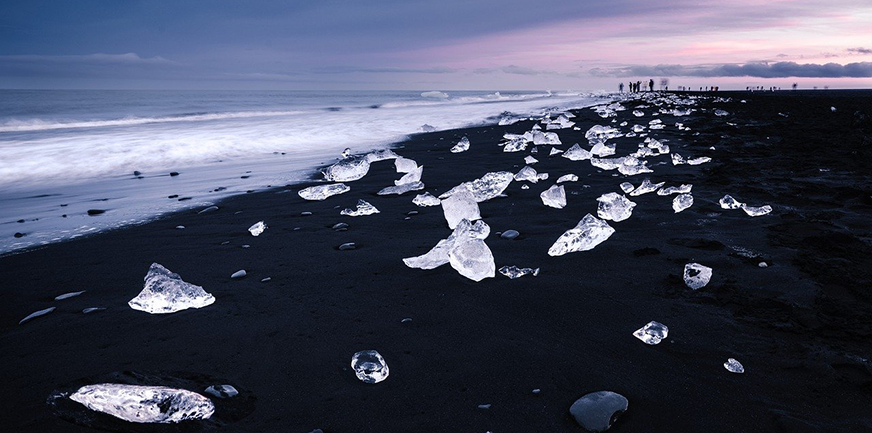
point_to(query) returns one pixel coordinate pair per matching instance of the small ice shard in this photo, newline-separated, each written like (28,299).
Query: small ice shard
(833,109)
(238,274)
(222,391)
(489,186)
(516,272)
(698,161)
(36,314)
(601,132)
(734,366)
(590,232)
(756,211)
(484,406)
(721,113)
(347,170)
(529,160)
(509,234)
(381,155)
(405,165)
(363,208)
(412,176)
(696,276)
(472,258)
(728,202)
(461,146)
(576,153)
(763,265)
(257,228)
(527,174)
(602,149)
(683,189)
(515,145)
(144,404)
(567,178)
(427,128)
(646,187)
(321,192)
(638,128)
(682,202)
(339,226)
(614,207)
(426,200)
(165,292)
(656,124)
(90,310)
(460,206)
(68,295)
(369,366)
(638,113)
(438,255)
(627,187)
(347,246)
(554,197)
(554,151)
(346,153)
(525,186)
(534,150)
(180,227)
(596,411)
(652,333)
(549,138)
(542,176)
(402,189)
(678,159)
(206,210)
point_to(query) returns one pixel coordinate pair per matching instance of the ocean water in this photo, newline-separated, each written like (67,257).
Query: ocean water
(65,152)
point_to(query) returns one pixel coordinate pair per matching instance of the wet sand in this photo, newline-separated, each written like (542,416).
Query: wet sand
(800,326)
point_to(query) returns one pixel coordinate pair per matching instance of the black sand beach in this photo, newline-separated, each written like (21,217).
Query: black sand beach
(800,326)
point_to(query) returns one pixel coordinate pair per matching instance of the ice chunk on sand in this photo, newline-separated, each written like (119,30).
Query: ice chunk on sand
(369,366)
(489,186)
(516,272)
(527,174)
(381,155)
(413,176)
(638,113)
(696,276)
(472,258)
(363,208)
(68,295)
(347,170)
(460,206)
(596,411)
(602,148)
(721,113)
(222,391)
(698,161)
(638,128)
(346,153)
(542,176)
(652,333)
(567,178)
(576,153)
(542,138)
(144,404)
(682,202)
(321,192)
(678,159)
(426,200)
(590,232)
(36,314)
(655,124)
(627,187)
(405,165)
(631,166)
(756,211)
(515,145)
(554,197)
(554,151)
(646,187)
(614,207)
(728,202)
(165,292)
(402,189)
(438,255)
(529,160)
(734,366)
(599,132)
(461,146)
(257,228)
(683,189)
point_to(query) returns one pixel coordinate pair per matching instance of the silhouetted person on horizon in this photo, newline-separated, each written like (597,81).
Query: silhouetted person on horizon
(651,85)
(621,87)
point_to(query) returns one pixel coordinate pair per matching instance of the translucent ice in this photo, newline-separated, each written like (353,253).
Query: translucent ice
(144,404)
(554,151)
(363,208)
(346,153)
(540,138)
(347,170)
(678,159)
(601,132)
(473,259)
(734,366)
(638,128)
(638,113)
(257,228)
(614,207)
(696,276)
(461,146)
(728,202)
(646,187)
(402,189)
(529,160)
(426,200)
(554,197)
(652,333)
(438,255)
(542,176)
(682,202)
(683,189)
(516,272)
(698,161)
(460,206)
(590,232)
(413,176)
(627,187)
(489,186)
(369,366)
(222,391)
(721,113)
(601,148)
(515,145)
(36,314)
(567,178)
(756,211)
(405,165)
(165,292)
(596,411)
(381,155)
(321,192)
(631,166)
(576,153)
(527,174)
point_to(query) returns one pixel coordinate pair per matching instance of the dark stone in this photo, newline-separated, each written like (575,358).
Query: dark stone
(174,173)
(19,235)
(93,212)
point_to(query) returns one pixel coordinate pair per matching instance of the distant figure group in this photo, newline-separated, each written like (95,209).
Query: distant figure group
(637,86)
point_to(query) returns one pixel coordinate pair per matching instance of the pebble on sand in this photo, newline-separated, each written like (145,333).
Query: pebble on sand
(598,410)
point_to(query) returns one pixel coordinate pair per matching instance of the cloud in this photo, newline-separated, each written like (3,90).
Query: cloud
(99,65)
(352,69)
(860,50)
(761,70)
(514,70)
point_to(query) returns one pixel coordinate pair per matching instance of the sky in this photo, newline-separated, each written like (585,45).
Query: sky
(433,44)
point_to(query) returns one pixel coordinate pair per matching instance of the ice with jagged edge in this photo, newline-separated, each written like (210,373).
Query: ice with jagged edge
(614,207)
(413,176)
(322,192)
(540,138)
(402,189)
(381,155)
(516,272)
(489,186)
(529,160)
(460,206)
(346,153)
(646,187)
(590,232)
(627,187)
(631,166)
(405,165)
(257,228)
(756,211)
(601,148)
(438,255)
(678,160)
(515,145)
(472,258)
(683,189)
(576,153)
(734,366)
(652,333)
(682,202)
(369,366)
(638,113)
(144,404)
(347,170)
(528,174)
(696,276)
(554,151)
(461,146)
(721,113)
(554,197)
(363,208)
(728,202)
(165,292)
(561,122)
(426,200)
(567,178)
(656,124)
